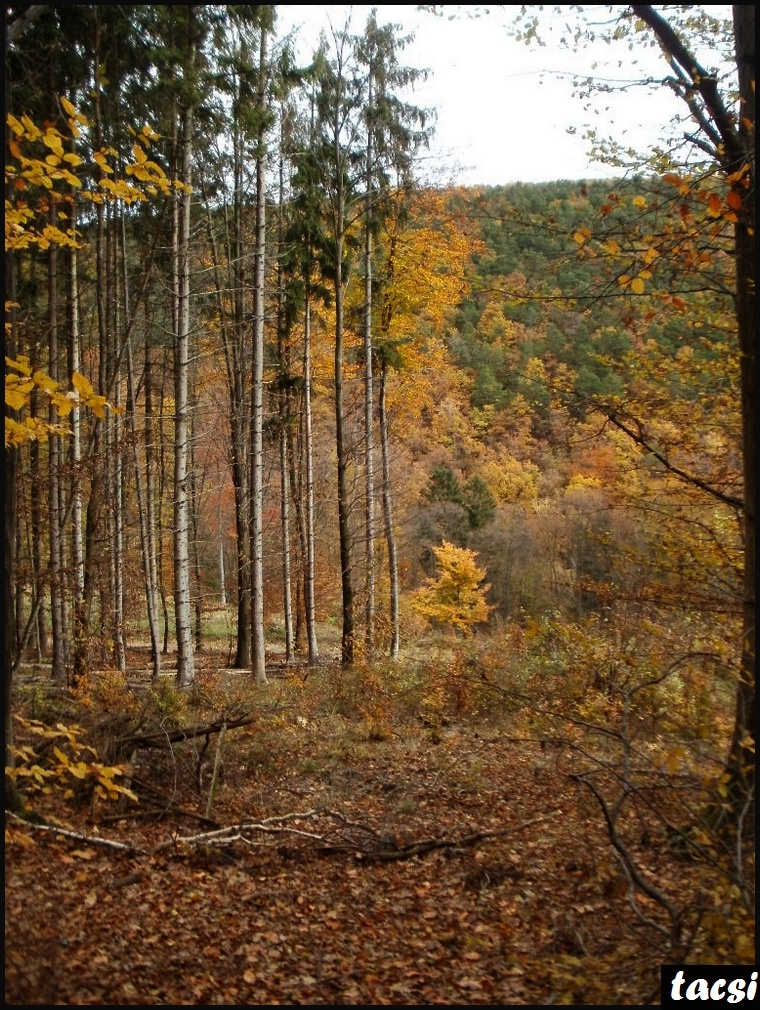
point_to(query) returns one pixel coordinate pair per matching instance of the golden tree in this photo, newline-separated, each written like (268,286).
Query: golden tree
(457,598)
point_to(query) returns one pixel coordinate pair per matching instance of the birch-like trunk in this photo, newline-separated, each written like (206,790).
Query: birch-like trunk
(182,571)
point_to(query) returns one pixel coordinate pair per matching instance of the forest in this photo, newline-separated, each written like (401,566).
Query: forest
(379,555)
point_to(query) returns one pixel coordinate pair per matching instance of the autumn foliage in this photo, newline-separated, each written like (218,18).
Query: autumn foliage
(507,782)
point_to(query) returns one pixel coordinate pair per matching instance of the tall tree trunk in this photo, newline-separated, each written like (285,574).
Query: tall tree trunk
(77,511)
(195,494)
(344,505)
(735,155)
(9,544)
(284,408)
(741,759)
(310,564)
(182,571)
(220,525)
(143,486)
(390,533)
(54,462)
(233,343)
(37,519)
(116,514)
(93,545)
(369,402)
(257,394)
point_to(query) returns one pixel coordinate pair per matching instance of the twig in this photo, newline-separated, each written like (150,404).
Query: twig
(77,836)
(215,775)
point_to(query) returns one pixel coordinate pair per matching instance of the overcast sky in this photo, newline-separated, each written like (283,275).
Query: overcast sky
(504,108)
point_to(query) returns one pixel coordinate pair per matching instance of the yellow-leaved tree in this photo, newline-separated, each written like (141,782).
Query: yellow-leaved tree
(43,180)
(457,597)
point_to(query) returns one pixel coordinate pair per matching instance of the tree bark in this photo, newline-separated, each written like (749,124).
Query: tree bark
(734,152)
(257,394)
(182,581)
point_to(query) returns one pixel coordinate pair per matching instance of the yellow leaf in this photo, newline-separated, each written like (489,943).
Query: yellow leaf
(97,405)
(15,125)
(639,201)
(67,107)
(31,130)
(82,385)
(15,395)
(637,286)
(100,160)
(21,363)
(52,139)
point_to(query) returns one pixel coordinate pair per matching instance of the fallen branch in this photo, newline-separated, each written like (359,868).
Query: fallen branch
(426,845)
(364,842)
(159,740)
(77,836)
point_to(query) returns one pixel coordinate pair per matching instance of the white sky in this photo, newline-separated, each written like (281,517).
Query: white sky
(502,110)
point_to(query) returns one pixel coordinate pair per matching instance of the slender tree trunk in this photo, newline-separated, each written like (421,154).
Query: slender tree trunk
(257,394)
(194,512)
(116,513)
(736,157)
(9,545)
(284,408)
(182,581)
(369,402)
(741,760)
(37,553)
(390,534)
(77,512)
(54,463)
(310,568)
(93,544)
(222,567)
(143,487)
(344,505)
(287,577)
(234,342)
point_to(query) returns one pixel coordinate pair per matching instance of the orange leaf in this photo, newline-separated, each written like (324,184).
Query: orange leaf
(734,200)
(714,205)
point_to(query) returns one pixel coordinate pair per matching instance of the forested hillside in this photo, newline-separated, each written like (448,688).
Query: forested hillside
(394,461)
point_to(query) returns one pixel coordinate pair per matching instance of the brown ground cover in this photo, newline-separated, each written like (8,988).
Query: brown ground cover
(344,861)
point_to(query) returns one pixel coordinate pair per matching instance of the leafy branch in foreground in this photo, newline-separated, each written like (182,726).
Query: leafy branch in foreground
(61,761)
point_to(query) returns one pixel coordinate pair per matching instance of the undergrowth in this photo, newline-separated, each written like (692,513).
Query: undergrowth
(637,727)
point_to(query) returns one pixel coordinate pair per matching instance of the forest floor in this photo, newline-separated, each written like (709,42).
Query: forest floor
(345,860)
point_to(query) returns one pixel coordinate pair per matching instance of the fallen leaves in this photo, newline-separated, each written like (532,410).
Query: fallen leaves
(487,889)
